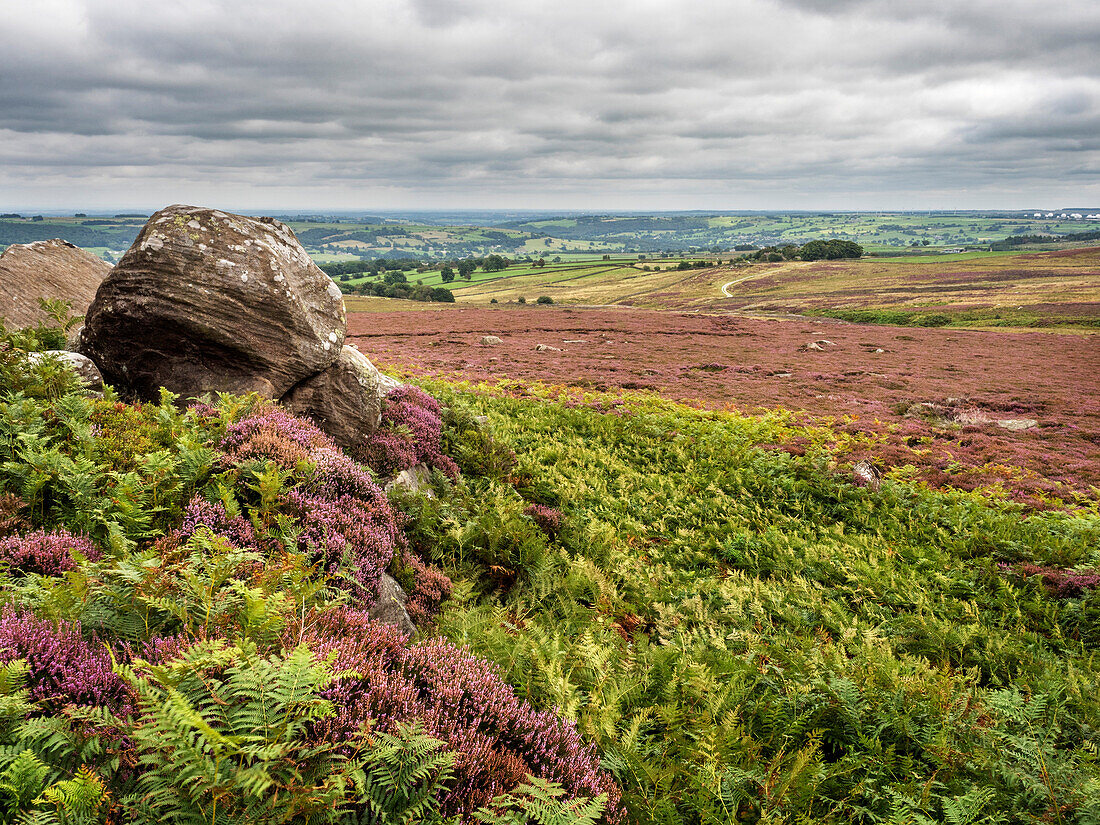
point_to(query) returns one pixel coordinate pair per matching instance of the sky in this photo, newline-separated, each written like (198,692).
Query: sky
(550,104)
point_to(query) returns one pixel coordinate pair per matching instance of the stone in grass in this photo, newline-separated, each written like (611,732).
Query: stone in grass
(865,475)
(490,340)
(546,348)
(416,479)
(209,301)
(82,365)
(390,605)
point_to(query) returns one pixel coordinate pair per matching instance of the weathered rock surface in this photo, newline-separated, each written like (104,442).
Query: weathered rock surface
(205,301)
(344,400)
(82,365)
(546,348)
(490,340)
(415,479)
(46,269)
(390,607)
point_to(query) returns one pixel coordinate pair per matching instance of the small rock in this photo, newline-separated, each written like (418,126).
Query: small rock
(866,475)
(652,372)
(812,346)
(781,374)
(546,348)
(490,340)
(415,480)
(1017,423)
(82,365)
(574,341)
(390,607)
(880,350)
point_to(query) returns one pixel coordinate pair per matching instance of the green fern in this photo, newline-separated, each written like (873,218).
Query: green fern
(541,802)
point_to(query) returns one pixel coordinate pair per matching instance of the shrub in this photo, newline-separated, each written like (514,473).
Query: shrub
(237,530)
(547,518)
(498,740)
(427,588)
(63,668)
(351,536)
(544,299)
(1063,584)
(410,433)
(47,554)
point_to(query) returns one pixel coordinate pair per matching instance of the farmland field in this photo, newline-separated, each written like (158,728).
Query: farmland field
(1032,289)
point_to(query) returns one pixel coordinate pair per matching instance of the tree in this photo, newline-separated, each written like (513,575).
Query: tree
(442,294)
(544,299)
(447,274)
(830,250)
(494,263)
(466,268)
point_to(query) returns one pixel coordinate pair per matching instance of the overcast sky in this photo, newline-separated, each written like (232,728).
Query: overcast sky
(554,104)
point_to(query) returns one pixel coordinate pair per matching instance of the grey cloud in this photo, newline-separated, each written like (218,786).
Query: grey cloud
(397,103)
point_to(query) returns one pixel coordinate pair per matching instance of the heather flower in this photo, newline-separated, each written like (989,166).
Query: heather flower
(351,535)
(1062,584)
(48,554)
(63,667)
(547,518)
(272,433)
(410,433)
(459,698)
(430,587)
(336,474)
(212,515)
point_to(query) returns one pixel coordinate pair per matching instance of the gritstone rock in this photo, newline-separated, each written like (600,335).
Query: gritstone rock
(209,301)
(46,269)
(489,340)
(390,607)
(345,399)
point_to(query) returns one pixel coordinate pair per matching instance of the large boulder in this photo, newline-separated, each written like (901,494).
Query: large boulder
(344,400)
(210,301)
(46,269)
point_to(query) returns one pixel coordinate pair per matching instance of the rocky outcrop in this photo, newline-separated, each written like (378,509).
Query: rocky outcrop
(345,399)
(210,301)
(46,269)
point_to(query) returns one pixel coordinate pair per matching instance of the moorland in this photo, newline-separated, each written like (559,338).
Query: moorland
(715,553)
